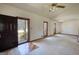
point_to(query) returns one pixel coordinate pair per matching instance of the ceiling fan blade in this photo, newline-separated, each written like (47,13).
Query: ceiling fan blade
(53,4)
(59,6)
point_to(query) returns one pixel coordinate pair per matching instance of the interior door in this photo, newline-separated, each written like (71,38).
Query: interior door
(45,28)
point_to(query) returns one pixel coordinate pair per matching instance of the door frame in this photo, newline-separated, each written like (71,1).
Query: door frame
(46,28)
(28,27)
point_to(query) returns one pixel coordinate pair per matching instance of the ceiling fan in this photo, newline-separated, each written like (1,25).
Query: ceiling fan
(53,6)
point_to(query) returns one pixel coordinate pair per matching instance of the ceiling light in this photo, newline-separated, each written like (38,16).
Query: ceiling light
(52,9)
(54,6)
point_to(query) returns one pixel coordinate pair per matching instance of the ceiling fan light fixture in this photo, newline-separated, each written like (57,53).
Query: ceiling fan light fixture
(54,6)
(52,9)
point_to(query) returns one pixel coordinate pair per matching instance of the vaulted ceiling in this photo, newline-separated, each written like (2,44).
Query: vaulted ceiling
(70,11)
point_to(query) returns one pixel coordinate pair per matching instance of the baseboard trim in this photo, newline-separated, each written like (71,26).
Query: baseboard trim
(69,34)
(41,38)
(36,39)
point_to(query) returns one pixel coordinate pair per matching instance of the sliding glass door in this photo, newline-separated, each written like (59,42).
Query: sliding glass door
(22,31)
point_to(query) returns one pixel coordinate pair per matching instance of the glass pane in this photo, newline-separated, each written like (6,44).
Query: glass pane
(22,31)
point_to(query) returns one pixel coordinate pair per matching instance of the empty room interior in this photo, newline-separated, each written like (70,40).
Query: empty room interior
(39,28)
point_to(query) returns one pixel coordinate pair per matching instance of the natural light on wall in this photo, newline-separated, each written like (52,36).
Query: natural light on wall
(20,31)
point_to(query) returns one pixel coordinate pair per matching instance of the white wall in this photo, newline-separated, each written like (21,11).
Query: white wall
(52,27)
(69,17)
(58,27)
(36,21)
(70,27)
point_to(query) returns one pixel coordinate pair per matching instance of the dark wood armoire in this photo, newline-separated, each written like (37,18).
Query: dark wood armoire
(8,32)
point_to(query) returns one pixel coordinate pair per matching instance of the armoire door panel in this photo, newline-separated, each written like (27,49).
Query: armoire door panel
(12,34)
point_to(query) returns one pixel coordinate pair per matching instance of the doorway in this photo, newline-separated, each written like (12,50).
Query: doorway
(23,30)
(54,28)
(45,28)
